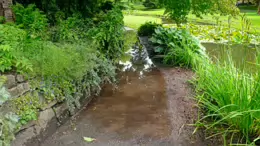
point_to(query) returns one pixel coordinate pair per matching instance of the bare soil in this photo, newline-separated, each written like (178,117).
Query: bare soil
(154,109)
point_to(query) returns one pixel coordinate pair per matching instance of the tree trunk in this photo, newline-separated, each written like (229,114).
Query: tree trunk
(258,11)
(243,1)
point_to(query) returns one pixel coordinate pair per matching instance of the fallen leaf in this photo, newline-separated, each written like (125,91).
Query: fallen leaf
(89,139)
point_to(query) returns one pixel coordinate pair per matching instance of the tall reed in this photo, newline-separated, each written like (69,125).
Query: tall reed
(231,98)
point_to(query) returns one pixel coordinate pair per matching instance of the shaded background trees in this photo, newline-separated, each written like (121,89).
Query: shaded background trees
(178,10)
(65,8)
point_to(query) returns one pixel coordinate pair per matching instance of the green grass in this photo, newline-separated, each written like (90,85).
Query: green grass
(231,99)
(136,21)
(150,14)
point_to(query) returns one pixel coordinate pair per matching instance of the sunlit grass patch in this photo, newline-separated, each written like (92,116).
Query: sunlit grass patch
(136,21)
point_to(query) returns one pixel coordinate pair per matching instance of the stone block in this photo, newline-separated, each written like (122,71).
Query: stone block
(10,82)
(49,105)
(24,136)
(26,87)
(19,89)
(20,78)
(62,113)
(60,109)
(44,118)
(15,92)
(28,125)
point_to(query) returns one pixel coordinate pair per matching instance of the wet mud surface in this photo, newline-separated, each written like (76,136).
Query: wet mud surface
(153,109)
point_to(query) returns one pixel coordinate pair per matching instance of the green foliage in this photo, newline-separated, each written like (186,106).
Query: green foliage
(72,29)
(230,98)
(66,61)
(8,125)
(10,42)
(26,107)
(147,29)
(86,8)
(225,33)
(30,18)
(4,95)
(130,38)
(152,4)
(108,35)
(222,34)
(179,9)
(178,46)
(2,19)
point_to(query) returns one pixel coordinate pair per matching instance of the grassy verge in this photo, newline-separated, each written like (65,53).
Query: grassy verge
(206,20)
(230,98)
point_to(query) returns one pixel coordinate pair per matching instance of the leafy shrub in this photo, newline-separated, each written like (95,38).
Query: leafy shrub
(10,40)
(86,8)
(27,108)
(147,29)
(178,46)
(30,18)
(108,34)
(2,19)
(72,29)
(152,4)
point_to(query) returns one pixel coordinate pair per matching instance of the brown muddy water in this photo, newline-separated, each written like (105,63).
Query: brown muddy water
(150,106)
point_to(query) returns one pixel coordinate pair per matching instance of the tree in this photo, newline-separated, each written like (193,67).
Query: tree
(178,10)
(86,8)
(258,10)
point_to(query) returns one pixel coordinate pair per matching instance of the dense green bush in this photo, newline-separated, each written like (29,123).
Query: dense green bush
(72,29)
(2,19)
(11,40)
(86,8)
(30,18)
(147,29)
(152,4)
(178,46)
(108,33)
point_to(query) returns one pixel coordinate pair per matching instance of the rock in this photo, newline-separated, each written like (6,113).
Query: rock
(60,112)
(43,120)
(26,87)
(15,92)
(128,29)
(28,125)
(49,105)
(19,90)
(10,81)
(24,136)
(20,78)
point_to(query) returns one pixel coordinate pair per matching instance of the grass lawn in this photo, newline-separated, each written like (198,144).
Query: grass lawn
(136,21)
(138,17)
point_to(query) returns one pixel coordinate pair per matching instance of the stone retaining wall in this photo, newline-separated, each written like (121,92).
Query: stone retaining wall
(5,10)
(50,117)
